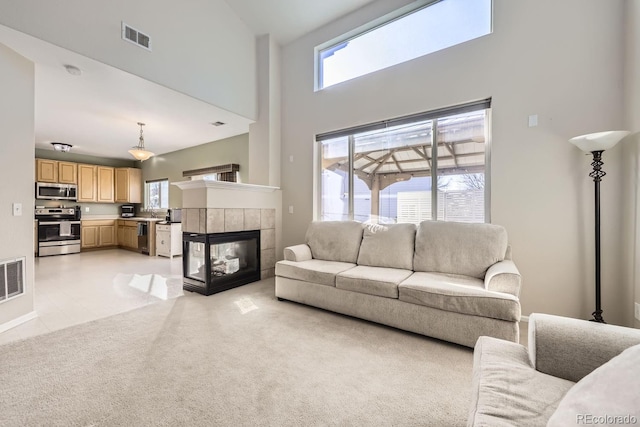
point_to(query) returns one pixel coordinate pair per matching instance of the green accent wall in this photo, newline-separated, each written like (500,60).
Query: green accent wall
(171,165)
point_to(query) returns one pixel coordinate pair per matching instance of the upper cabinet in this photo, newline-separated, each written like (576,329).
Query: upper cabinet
(56,171)
(128,185)
(95,183)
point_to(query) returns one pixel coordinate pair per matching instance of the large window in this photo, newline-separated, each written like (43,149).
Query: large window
(400,37)
(156,194)
(410,169)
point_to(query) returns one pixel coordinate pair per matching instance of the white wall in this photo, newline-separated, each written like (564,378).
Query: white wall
(631,156)
(200,48)
(544,57)
(16,172)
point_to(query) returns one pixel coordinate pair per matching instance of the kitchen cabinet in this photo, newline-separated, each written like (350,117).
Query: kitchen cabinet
(56,171)
(128,234)
(128,182)
(105,179)
(97,233)
(46,170)
(95,183)
(87,185)
(169,239)
(67,173)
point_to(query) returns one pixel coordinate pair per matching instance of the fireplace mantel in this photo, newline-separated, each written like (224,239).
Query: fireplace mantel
(223,185)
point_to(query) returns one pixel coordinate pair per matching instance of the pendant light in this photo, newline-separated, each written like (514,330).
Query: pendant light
(138,151)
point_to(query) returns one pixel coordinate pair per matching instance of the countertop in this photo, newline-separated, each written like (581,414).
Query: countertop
(135,218)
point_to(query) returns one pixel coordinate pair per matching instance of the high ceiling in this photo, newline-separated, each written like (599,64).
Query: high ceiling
(92,111)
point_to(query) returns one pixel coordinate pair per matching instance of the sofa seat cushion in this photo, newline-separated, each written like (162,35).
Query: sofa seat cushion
(459,248)
(507,390)
(388,246)
(459,294)
(379,281)
(314,270)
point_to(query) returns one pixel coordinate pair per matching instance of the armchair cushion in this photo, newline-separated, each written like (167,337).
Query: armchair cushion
(612,390)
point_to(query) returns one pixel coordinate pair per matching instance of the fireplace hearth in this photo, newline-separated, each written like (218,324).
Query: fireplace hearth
(216,262)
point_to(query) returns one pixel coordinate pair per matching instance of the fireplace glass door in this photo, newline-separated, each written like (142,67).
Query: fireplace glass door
(220,261)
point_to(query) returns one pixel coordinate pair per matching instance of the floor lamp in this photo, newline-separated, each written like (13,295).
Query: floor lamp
(596,143)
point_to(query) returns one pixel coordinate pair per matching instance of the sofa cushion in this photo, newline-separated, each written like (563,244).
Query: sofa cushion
(461,294)
(507,391)
(388,246)
(334,240)
(610,390)
(378,281)
(315,270)
(459,248)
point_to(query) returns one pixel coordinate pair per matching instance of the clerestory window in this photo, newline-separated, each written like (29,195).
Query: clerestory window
(401,36)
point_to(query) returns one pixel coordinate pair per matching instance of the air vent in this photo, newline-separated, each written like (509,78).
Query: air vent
(12,278)
(218,123)
(139,38)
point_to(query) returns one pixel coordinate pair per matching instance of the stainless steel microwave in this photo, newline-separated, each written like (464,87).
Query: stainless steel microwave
(52,191)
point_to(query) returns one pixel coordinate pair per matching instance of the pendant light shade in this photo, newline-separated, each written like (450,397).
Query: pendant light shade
(139,151)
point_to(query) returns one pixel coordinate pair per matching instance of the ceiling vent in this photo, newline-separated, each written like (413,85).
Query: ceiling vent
(218,123)
(139,38)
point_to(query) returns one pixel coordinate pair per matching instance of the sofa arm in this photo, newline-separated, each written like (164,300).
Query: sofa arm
(572,348)
(297,253)
(503,276)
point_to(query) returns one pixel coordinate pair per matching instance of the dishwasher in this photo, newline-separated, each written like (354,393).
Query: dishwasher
(143,237)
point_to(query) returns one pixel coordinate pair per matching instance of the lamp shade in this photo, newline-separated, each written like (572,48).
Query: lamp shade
(598,141)
(140,153)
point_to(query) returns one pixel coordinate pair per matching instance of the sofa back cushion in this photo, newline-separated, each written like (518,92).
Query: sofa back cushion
(388,246)
(459,248)
(334,240)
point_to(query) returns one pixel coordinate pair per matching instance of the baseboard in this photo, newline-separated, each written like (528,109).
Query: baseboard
(17,322)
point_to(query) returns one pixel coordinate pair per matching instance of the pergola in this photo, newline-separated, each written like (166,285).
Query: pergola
(386,156)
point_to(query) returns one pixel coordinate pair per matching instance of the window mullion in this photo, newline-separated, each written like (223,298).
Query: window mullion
(352,143)
(434,170)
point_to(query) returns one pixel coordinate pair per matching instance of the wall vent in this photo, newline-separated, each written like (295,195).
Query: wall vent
(136,37)
(12,273)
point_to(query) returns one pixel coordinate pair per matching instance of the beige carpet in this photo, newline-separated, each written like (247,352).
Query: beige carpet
(235,358)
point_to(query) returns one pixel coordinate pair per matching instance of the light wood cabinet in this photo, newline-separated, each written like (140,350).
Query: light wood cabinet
(95,183)
(56,171)
(67,173)
(87,184)
(97,233)
(128,185)
(128,234)
(105,178)
(46,170)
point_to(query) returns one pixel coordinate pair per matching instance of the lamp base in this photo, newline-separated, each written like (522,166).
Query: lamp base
(597,317)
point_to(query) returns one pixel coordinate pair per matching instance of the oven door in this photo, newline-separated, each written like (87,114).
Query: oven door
(58,237)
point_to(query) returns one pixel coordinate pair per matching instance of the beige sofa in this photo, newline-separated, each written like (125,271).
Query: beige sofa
(452,281)
(575,372)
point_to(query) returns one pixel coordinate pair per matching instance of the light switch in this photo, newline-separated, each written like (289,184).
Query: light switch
(533,120)
(290,209)
(291,158)
(17,209)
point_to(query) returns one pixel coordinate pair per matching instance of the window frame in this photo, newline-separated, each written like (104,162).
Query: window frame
(429,115)
(373,25)
(147,193)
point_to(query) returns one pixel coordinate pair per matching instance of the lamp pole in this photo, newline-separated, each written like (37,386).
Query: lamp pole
(597,175)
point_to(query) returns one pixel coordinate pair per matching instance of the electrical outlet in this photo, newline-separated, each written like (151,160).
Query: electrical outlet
(86,208)
(637,311)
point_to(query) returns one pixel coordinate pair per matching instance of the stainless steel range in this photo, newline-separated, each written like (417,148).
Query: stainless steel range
(58,231)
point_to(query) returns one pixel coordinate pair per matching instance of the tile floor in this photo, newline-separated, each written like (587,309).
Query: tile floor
(78,288)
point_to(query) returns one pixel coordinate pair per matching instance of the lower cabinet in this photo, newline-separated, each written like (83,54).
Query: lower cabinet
(169,239)
(97,233)
(128,234)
